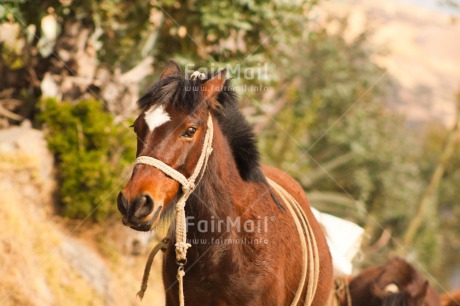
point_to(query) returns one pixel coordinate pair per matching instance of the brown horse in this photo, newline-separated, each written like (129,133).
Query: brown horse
(256,263)
(395,283)
(450,299)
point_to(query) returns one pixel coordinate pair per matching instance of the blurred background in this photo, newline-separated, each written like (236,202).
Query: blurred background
(359,101)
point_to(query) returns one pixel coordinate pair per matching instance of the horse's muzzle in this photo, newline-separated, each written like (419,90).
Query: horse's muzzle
(136,214)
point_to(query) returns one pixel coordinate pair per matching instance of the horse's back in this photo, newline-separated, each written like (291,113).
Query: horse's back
(450,299)
(325,261)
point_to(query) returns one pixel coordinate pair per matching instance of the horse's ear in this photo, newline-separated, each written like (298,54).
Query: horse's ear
(213,87)
(172,69)
(423,291)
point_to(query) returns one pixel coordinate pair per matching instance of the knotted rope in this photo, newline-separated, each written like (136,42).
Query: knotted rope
(188,186)
(308,245)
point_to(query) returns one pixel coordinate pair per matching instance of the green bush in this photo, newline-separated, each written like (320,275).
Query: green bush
(91,155)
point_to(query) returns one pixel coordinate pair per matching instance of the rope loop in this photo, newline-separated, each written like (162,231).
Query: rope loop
(310,256)
(180,271)
(181,262)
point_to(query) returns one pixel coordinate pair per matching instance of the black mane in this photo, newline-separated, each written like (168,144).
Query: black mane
(185,94)
(400,299)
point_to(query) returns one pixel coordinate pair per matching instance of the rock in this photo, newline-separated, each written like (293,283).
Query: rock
(136,243)
(26,124)
(26,185)
(89,79)
(90,266)
(26,161)
(41,261)
(49,87)
(50,29)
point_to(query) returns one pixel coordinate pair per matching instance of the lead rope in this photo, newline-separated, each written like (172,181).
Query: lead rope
(188,186)
(162,245)
(307,243)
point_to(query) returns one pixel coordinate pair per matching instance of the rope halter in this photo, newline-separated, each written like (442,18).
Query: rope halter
(197,75)
(188,186)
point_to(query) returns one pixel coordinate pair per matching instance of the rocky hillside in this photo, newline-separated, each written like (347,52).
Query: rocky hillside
(418,46)
(49,261)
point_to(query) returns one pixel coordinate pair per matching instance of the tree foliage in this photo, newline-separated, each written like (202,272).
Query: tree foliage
(335,134)
(334,114)
(91,154)
(441,220)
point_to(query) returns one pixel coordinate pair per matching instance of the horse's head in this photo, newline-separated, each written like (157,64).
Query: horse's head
(171,128)
(399,284)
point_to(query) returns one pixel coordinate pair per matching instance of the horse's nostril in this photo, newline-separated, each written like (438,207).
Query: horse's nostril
(143,206)
(142,201)
(122,203)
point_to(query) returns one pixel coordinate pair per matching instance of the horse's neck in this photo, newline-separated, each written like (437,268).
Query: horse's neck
(219,194)
(222,196)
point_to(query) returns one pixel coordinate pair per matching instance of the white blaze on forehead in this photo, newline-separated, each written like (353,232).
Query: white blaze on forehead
(156,116)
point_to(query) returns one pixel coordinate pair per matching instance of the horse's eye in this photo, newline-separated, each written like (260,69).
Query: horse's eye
(189,132)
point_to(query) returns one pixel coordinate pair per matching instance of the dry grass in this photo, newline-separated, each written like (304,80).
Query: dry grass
(35,272)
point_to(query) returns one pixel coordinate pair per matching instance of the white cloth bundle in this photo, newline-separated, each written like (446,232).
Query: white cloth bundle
(344,239)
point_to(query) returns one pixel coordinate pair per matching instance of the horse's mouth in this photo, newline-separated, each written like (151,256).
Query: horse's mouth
(142,227)
(145,226)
